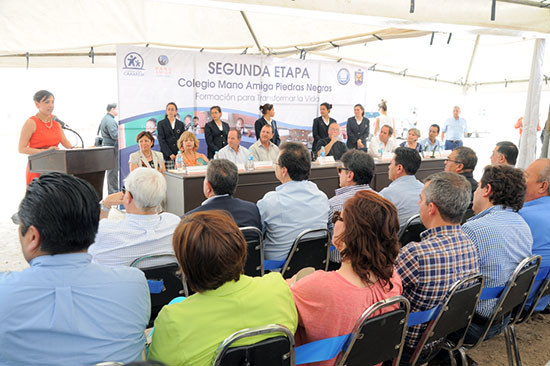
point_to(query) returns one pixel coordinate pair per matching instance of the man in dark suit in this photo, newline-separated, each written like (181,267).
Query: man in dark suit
(219,185)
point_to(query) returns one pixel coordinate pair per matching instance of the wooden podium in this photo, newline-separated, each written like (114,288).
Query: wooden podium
(89,164)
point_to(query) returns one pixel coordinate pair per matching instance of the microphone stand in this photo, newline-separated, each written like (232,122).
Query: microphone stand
(76,133)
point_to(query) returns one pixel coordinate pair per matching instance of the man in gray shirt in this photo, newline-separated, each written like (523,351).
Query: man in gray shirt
(109,132)
(404,190)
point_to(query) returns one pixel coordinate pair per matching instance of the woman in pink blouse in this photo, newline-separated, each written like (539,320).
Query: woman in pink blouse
(329,303)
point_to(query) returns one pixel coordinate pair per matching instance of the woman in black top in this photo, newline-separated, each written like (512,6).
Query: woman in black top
(215,132)
(321,123)
(168,136)
(268,111)
(358,128)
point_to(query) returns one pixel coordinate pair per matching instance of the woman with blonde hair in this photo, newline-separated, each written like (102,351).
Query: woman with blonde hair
(188,144)
(383,118)
(412,140)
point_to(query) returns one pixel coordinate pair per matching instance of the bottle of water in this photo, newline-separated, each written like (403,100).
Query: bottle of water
(323,152)
(179,162)
(216,155)
(381,149)
(250,162)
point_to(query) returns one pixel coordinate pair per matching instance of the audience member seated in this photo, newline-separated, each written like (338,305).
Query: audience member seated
(188,144)
(146,157)
(332,144)
(329,303)
(536,210)
(234,151)
(220,182)
(212,252)
(463,161)
(382,143)
(505,153)
(444,255)
(354,175)
(500,235)
(264,149)
(412,140)
(65,310)
(144,231)
(431,144)
(404,189)
(296,205)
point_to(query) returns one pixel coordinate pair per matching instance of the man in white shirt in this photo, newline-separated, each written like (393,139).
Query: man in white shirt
(234,152)
(382,143)
(264,149)
(143,231)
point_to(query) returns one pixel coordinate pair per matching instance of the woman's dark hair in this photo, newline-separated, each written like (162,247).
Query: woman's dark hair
(216,107)
(41,95)
(65,211)
(266,108)
(507,183)
(171,103)
(370,236)
(327,106)
(362,109)
(147,134)
(210,249)
(383,105)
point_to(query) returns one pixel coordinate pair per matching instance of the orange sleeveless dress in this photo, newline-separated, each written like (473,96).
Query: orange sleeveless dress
(42,138)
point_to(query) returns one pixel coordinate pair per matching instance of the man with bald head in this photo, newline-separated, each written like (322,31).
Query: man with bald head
(333,146)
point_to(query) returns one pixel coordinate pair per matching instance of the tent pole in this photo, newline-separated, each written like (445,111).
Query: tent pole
(467,78)
(546,130)
(528,140)
(252,32)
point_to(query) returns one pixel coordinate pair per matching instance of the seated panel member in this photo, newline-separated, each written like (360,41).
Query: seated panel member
(234,151)
(264,149)
(505,153)
(145,156)
(296,205)
(65,310)
(220,182)
(382,143)
(412,140)
(431,144)
(404,189)
(333,146)
(144,231)
(188,145)
(212,252)
(444,255)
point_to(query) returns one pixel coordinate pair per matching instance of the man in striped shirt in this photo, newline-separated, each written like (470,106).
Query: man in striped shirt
(501,237)
(444,255)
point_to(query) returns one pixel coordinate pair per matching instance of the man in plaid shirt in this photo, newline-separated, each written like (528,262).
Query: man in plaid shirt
(443,256)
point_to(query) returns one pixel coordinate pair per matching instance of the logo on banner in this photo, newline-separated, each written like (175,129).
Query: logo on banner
(133,64)
(343,76)
(163,60)
(359,77)
(163,70)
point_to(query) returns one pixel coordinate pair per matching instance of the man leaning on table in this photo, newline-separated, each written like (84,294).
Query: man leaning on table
(264,149)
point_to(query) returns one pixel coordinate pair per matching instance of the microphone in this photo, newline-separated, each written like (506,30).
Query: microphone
(63,124)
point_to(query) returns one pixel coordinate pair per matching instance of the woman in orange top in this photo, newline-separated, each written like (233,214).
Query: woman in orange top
(41,132)
(188,145)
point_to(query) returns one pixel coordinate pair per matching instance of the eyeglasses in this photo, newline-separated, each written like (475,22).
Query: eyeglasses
(337,216)
(340,169)
(454,161)
(124,190)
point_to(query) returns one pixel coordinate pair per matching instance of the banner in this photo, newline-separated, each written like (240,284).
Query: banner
(150,78)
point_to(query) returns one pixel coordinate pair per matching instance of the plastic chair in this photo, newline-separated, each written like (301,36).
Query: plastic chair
(453,315)
(411,230)
(274,351)
(165,283)
(511,301)
(310,249)
(254,265)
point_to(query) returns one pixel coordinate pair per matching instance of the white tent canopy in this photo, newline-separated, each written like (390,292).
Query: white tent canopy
(436,41)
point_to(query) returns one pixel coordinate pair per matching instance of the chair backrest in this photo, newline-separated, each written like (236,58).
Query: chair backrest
(539,292)
(455,314)
(384,333)
(254,265)
(168,278)
(310,249)
(275,351)
(411,230)
(513,297)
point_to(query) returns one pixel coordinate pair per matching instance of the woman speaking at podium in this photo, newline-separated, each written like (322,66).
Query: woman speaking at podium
(41,132)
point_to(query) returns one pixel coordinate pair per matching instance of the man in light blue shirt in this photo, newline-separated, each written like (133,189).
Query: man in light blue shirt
(404,190)
(233,151)
(431,145)
(65,310)
(501,236)
(296,205)
(455,129)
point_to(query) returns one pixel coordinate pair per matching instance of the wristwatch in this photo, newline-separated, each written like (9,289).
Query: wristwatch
(103,207)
